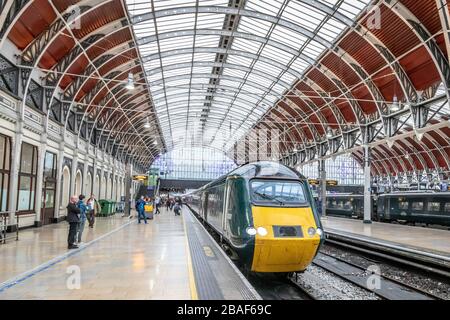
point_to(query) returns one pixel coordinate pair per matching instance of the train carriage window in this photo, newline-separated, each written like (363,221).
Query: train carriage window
(447,207)
(434,206)
(417,206)
(277,192)
(402,204)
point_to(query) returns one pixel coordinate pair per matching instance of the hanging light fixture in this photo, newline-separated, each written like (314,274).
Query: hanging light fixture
(395,104)
(130,82)
(147,124)
(155,142)
(329,134)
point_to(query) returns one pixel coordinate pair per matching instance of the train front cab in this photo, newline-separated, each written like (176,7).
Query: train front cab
(287,237)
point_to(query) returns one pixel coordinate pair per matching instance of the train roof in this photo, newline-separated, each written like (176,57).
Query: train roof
(266,169)
(260,169)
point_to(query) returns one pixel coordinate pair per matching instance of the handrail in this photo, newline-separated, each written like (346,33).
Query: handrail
(4,217)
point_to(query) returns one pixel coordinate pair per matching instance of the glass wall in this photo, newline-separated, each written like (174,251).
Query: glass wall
(27,178)
(194,163)
(5,162)
(345,169)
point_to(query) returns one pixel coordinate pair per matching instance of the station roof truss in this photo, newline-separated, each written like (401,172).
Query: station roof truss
(328,76)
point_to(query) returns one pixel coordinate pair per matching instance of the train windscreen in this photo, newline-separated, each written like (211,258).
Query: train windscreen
(278,192)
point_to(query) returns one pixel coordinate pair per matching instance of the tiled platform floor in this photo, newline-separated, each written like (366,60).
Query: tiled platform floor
(428,239)
(137,261)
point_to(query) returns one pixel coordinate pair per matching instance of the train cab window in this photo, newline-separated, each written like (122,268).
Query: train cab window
(277,192)
(434,206)
(417,206)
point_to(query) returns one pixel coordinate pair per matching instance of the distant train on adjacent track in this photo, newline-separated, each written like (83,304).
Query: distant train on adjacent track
(264,214)
(429,208)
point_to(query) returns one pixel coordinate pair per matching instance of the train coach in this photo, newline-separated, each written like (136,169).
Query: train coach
(264,212)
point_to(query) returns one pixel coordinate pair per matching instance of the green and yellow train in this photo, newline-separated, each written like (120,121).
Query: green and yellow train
(264,212)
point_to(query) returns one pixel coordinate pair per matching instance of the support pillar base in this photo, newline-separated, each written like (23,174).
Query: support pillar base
(367,221)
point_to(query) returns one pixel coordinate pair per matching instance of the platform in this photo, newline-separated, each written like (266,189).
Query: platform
(419,241)
(169,258)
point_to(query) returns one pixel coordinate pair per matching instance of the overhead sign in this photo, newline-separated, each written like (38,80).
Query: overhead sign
(316,182)
(140,177)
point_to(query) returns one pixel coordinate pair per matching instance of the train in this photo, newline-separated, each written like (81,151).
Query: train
(265,215)
(428,208)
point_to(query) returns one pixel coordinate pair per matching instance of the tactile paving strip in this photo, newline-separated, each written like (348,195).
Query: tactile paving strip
(216,277)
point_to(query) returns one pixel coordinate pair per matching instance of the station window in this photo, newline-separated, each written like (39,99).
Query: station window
(27,178)
(5,162)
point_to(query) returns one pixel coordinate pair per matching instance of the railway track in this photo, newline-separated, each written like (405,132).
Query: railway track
(381,285)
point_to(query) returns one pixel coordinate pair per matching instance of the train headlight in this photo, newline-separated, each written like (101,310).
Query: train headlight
(319,231)
(262,231)
(311,231)
(251,231)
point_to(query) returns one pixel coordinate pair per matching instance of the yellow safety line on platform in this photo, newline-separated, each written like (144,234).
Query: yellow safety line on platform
(193,287)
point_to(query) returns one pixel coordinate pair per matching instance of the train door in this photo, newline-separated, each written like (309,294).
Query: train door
(204,205)
(226,217)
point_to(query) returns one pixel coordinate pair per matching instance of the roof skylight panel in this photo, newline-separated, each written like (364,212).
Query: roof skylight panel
(271,7)
(276,54)
(239,60)
(229,83)
(169,4)
(288,78)
(352,8)
(203,56)
(303,15)
(176,43)
(144,29)
(180,22)
(210,21)
(246,45)
(267,68)
(207,41)
(176,59)
(234,73)
(313,49)
(331,29)
(288,37)
(262,80)
(254,26)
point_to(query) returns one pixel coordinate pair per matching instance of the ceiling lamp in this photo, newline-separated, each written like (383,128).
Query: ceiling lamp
(395,106)
(130,82)
(155,142)
(329,134)
(147,124)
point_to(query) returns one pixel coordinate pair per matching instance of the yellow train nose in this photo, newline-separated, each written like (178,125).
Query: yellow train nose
(286,239)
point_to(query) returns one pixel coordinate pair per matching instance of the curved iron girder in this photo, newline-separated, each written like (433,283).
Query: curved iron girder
(286,115)
(54,77)
(374,166)
(426,39)
(396,161)
(399,153)
(232,11)
(10,13)
(412,151)
(33,53)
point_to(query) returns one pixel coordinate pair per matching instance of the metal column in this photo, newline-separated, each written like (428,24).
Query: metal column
(127,189)
(323,187)
(367,186)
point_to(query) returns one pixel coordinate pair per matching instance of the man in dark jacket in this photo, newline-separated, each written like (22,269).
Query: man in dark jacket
(73,218)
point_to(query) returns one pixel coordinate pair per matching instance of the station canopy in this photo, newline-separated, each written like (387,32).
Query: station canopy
(292,80)
(215,66)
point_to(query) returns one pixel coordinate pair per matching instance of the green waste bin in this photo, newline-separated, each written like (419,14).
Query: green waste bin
(108,207)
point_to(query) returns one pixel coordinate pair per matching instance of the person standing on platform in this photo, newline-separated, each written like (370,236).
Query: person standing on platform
(83,209)
(157,203)
(73,219)
(93,207)
(140,204)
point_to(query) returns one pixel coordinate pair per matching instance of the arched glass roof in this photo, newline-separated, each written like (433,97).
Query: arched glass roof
(216,66)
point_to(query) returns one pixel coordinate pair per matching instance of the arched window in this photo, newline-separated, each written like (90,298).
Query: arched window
(27,178)
(88,190)
(78,183)
(65,187)
(5,171)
